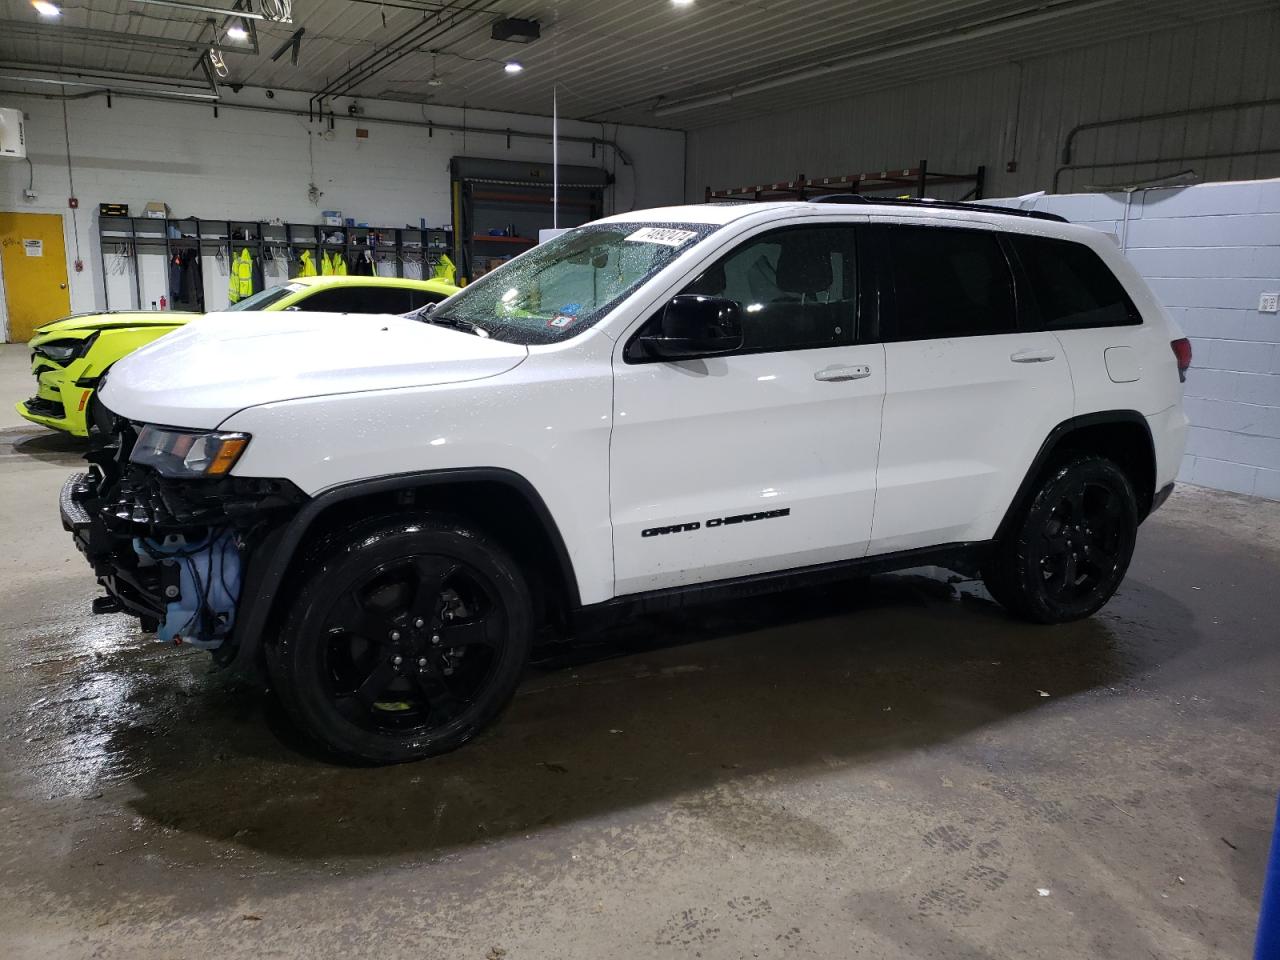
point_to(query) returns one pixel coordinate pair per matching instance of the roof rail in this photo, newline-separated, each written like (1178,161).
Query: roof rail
(941,204)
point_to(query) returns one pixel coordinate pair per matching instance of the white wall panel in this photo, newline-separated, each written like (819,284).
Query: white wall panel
(250,165)
(1023,111)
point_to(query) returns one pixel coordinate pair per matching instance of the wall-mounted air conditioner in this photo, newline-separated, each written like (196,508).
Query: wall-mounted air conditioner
(13,135)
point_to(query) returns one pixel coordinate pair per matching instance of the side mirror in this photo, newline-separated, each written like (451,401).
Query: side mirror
(695,326)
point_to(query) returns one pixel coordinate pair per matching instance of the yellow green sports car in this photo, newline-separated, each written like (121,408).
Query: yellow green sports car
(69,356)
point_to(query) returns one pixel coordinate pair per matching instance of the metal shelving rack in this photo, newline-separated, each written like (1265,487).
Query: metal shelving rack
(152,235)
(918,179)
(500,205)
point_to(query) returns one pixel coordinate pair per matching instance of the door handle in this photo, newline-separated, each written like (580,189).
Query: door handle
(837,374)
(1033,355)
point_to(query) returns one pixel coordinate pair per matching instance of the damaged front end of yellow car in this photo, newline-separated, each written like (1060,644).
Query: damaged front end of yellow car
(70,356)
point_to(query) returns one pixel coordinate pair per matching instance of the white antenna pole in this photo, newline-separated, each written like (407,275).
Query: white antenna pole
(555,157)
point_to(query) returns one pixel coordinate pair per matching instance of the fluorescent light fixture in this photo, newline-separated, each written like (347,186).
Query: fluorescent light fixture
(682,3)
(237,32)
(46,9)
(512,66)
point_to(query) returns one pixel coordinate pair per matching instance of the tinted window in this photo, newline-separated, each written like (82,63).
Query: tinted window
(947,283)
(420,298)
(797,287)
(1071,285)
(265,298)
(357,299)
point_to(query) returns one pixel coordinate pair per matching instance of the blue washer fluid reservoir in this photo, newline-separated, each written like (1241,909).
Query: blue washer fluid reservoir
(204,611)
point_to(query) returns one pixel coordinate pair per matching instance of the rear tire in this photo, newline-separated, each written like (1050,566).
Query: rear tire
(407,635)
(1068,552)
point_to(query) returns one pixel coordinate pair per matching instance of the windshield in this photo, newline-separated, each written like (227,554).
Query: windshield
(264,298)
(563,286)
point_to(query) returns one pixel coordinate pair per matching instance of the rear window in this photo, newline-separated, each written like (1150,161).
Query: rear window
(1071,286)
(948,282)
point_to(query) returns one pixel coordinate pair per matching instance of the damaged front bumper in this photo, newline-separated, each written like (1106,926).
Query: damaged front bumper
(173,553)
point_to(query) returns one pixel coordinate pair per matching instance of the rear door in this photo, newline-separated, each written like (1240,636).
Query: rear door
(765,459)
(971,392)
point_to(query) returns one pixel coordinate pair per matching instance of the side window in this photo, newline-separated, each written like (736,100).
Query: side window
(1071,286)
(420,298)
(797,287)
(947,282)
(357,299)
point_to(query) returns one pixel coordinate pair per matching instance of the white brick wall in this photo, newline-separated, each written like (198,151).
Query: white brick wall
(1208,252)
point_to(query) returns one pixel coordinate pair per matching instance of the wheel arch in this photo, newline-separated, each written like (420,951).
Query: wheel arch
(503,502)
(1123,436)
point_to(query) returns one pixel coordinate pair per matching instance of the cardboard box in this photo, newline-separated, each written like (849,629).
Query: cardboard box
(156,210)
(333,221)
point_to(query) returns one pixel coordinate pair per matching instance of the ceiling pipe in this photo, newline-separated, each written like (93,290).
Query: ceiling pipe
(405,43)
(469,130)
(199,8)
(1040,14)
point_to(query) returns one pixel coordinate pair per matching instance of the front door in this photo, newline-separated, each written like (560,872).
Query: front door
(33,263)
(762,460)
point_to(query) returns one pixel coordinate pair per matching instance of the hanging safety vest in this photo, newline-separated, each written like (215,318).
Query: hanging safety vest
(340,264)
(308,262)
(444,269)
(240,284)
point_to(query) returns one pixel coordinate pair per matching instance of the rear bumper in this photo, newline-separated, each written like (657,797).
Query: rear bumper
(1169,438)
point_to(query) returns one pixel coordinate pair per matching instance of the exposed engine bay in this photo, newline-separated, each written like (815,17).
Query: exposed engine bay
(169,551)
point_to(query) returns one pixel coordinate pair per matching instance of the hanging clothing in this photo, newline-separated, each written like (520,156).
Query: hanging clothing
(308,268)
(444,270)
(326,265)
(340,264)
(240,285)
(186,280)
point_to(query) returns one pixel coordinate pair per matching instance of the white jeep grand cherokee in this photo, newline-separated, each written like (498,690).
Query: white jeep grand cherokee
(674,404)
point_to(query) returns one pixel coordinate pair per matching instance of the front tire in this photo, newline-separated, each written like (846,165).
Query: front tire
(1067,554)
(407,635)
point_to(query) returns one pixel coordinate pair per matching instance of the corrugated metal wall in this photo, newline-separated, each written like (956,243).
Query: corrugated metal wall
(1024,112)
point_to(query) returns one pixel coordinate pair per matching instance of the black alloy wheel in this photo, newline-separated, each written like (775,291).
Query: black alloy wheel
(1067,554)
(411,644)
(406,636)
(1083,542)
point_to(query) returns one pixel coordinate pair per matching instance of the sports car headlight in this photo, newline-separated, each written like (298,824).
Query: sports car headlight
(60,350)
(188,453)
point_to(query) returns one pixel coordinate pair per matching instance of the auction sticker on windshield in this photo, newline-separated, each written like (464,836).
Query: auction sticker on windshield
(667,236)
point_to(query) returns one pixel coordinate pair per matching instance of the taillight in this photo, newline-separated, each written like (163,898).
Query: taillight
(1182,351)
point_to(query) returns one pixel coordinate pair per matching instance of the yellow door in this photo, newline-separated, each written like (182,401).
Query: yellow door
(34,265)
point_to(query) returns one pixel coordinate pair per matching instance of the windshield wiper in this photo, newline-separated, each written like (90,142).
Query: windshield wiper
(454,323)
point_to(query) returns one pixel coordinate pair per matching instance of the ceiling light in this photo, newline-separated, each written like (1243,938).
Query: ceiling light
(682,3)
(46,9)
(237,32)
(512,67)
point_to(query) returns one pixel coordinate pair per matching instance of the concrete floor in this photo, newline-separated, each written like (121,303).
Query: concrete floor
(887,770)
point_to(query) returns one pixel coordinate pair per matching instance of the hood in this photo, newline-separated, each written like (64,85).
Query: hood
(202,373)
(86,323)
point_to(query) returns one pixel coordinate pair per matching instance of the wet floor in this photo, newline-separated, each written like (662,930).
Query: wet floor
(884,769)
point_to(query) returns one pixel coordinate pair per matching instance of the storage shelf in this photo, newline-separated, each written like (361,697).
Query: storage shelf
(526,241)
(149,236)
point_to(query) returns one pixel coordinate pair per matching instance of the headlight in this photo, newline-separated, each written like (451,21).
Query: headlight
(188,453)
(60,350)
